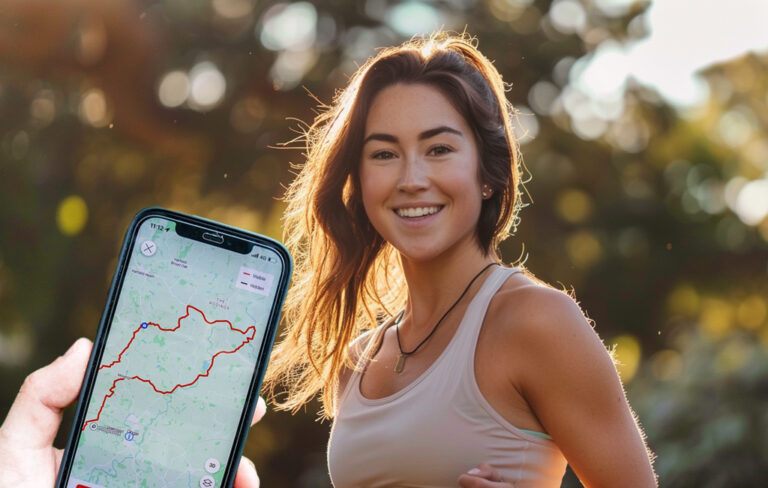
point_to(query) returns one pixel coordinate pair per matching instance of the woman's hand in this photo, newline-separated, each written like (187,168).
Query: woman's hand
(483,476)
(27,455)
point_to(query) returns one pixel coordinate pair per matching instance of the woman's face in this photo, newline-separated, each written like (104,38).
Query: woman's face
(419,173)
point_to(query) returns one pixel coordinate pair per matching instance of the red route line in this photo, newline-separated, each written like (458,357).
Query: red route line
(252,329)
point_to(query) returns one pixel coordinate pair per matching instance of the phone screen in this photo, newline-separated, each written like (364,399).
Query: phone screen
(178,362)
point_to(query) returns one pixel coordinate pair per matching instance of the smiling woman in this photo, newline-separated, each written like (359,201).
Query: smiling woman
(440,365)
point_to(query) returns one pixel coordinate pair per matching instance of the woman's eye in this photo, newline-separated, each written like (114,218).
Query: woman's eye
(439,150)
(383,155)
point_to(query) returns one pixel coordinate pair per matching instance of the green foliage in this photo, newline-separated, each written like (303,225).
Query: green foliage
(707,421)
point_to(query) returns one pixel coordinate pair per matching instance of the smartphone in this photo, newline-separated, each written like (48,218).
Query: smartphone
(179,356)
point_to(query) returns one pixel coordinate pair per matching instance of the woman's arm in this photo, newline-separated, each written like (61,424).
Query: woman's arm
(571,384)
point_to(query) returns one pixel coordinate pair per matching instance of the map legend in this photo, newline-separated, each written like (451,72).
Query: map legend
(254,281)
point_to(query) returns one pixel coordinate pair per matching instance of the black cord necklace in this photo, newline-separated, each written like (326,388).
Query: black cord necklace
(404,354)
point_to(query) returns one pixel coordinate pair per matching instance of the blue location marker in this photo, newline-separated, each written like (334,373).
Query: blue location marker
(144,325)
(129,436)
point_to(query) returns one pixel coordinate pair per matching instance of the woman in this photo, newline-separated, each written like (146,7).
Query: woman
(478,374)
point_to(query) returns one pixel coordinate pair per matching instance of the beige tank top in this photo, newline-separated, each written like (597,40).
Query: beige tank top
(439,426)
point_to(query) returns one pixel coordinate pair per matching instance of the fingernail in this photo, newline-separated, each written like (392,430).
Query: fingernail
(474,471)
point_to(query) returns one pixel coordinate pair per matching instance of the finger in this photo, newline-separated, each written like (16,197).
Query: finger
(246,475)
(259,411)
(486,471)
(483,475)
(35,415)
(467,480)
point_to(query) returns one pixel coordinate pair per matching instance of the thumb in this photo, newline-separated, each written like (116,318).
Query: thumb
(246,475)
(259,411)
(35,415)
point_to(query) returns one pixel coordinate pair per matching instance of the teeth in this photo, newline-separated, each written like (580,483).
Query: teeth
(417,211)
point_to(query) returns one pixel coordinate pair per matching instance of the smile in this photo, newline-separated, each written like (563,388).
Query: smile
(413,212)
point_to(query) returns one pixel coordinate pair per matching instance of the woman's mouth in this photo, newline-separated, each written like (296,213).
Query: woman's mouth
(416,212)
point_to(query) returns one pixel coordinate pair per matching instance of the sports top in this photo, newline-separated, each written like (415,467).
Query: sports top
(439,426)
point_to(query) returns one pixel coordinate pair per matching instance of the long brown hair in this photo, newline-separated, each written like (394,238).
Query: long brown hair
(346,276)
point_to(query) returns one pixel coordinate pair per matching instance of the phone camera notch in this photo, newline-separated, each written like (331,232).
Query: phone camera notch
(213,237)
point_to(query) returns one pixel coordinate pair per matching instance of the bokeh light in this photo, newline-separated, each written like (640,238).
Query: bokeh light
(626,353)
(736,126)
(289,26)
(614,8)
(568,16)
(684,301)
(752,202)
(752,312)
(174,88)
(93,109)
(508,10)
(206,86)
(233,9)
(603,75)
(716,317)
(542,96)
(574,205)
(414,17)
(72,215)
(290,66)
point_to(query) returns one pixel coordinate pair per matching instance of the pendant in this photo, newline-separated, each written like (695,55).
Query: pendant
(400,364)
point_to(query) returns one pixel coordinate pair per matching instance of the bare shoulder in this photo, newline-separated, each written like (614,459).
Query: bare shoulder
(531,316)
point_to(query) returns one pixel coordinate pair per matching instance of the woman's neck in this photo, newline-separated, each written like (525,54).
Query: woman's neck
(433,286)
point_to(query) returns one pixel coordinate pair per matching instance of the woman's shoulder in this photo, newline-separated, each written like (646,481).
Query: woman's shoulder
(527,308)
(544,334)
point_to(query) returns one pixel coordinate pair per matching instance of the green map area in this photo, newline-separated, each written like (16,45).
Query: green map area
(177,365)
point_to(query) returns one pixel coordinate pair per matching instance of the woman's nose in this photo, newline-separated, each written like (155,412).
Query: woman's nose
(414,175)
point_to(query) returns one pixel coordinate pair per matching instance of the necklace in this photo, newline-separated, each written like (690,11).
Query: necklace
(404,354)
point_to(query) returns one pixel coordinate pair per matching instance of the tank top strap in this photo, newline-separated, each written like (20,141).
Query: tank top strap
(469,330)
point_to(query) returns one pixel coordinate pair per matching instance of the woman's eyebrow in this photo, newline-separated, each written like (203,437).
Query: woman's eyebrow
(438,130)
(378,136)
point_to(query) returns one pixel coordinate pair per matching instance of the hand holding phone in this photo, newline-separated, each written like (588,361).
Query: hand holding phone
(176,367)
(27,456)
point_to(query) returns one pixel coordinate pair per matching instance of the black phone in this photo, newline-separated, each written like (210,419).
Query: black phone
(179,356)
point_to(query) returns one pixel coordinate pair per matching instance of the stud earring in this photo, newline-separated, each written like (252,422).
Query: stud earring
(486,192)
